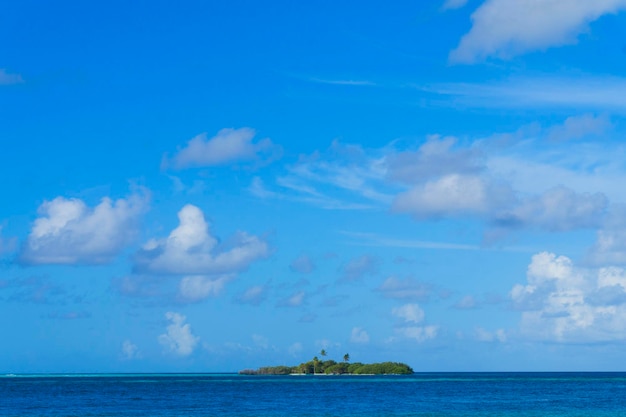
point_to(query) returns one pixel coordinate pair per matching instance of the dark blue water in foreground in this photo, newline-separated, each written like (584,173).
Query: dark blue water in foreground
(436,394)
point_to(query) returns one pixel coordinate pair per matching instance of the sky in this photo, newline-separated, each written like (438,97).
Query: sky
(214,186)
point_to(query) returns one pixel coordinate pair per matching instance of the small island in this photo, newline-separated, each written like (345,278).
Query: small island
(331,367)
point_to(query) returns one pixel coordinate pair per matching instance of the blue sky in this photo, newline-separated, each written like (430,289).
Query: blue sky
(212,186)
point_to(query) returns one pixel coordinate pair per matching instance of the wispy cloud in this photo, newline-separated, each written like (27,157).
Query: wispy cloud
(7,78)
(564,91)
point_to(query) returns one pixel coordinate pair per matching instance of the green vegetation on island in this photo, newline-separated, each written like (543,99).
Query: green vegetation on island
(331,367)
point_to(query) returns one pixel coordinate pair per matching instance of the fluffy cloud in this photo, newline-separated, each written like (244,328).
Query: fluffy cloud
(198,287)
(565,303)
(228,146)
(409,313)
(67,231)
(191,250)
(178,337)
(504,28)
(359,335)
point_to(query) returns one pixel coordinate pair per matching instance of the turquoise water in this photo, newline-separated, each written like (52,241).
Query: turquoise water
(423,394)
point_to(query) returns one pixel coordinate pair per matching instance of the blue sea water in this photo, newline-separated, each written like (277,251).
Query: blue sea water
(422,394)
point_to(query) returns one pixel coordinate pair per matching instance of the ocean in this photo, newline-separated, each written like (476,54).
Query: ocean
(421,394)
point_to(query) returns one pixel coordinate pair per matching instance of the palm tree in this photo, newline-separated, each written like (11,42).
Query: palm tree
(323,352)
(346,357)
(315,360)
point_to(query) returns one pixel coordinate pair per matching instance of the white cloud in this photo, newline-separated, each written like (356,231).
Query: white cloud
(505,28)
(565,303)
(437,157)
(190,249)
(419,333)
(67,231)
(228,146)
(483,335)
(130,350)
(198,287)
(558,209)
(178,337)
(409,313)
(359,335)
(453,195)
(9,79)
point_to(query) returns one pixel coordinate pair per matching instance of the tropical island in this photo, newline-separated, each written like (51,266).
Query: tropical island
(331,367)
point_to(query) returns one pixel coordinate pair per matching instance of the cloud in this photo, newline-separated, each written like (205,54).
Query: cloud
(357,268)
(198,287)
(228,146)
(453,195)
(70,315)
(558,209)
(483,335)
(577,127)
(178,337)
(130,350)
(38,290)
(404,289)
(453,4)
(9,79)
(564,303)
(258,189)
(505,28)
(437,157)
(359,335)
(7,245)
(409,313)
(295,349)
(303,264)
(610,245)
(419,333)
(191,250)
(466,303)
(67,231)
(564,91)
(294,300)
(254,295)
